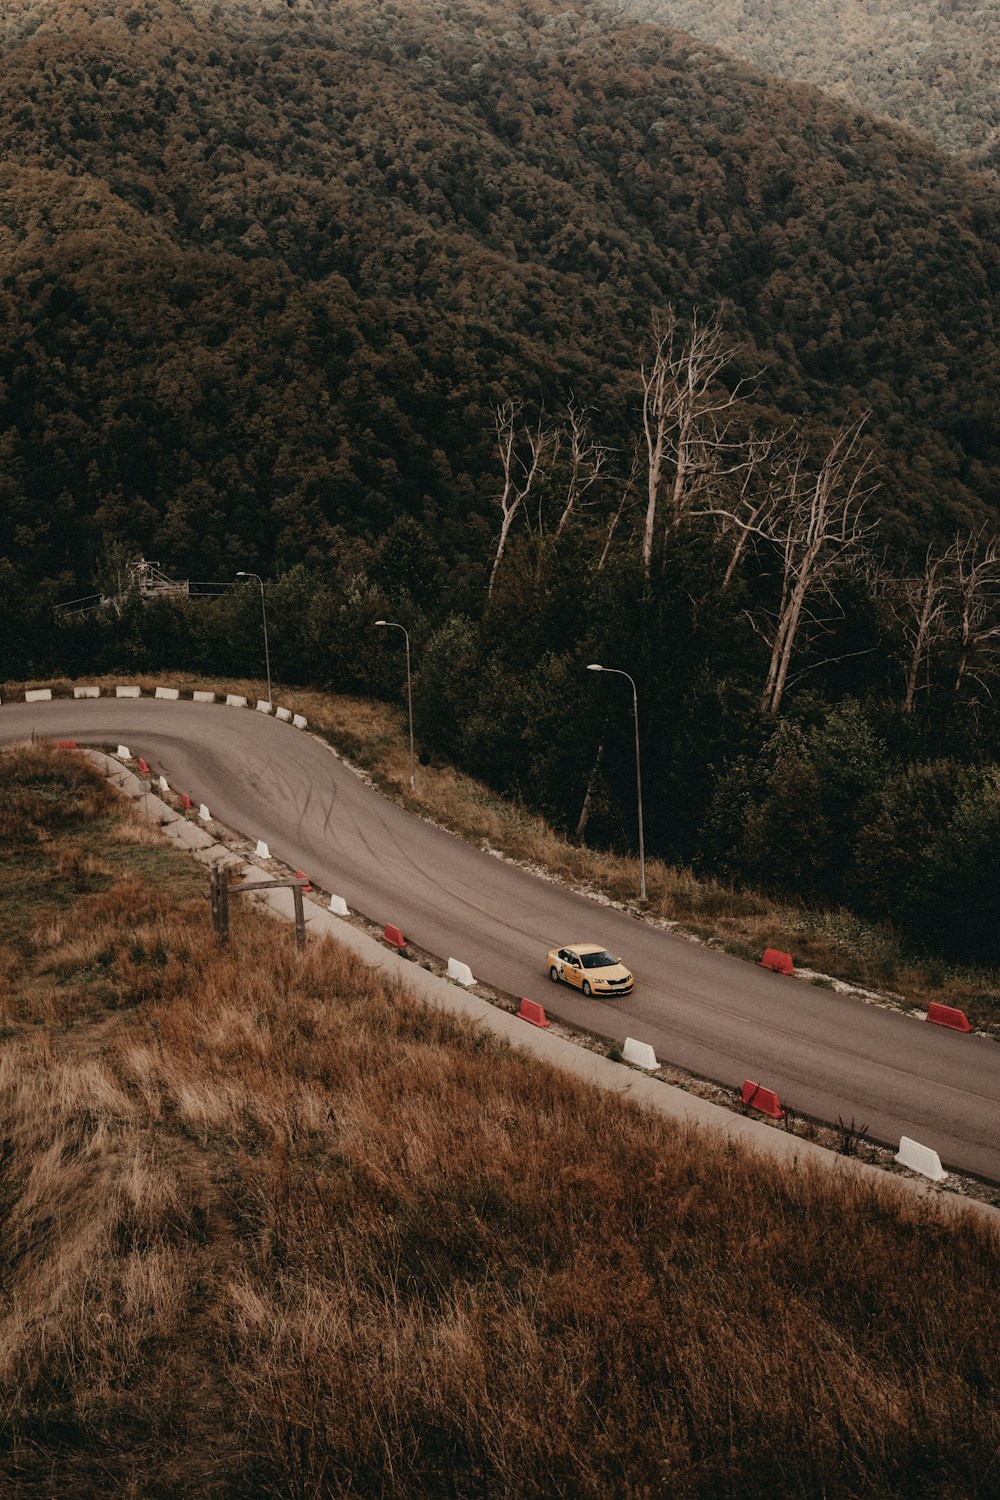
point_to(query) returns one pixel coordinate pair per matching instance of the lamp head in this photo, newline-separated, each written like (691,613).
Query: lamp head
(381,622)
(241,574)
(595,666)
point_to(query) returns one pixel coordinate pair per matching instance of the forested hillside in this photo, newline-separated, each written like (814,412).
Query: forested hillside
(283,286)
(266,268)
(930,64)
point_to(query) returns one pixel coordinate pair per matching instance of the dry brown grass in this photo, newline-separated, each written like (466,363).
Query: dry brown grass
(270,1227)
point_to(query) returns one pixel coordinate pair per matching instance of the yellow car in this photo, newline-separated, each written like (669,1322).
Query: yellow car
(589,968)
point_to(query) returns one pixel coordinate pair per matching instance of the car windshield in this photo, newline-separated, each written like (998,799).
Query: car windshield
(598,960)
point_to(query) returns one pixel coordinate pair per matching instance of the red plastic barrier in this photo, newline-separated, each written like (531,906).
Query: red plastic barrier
(301,875)
(394,936)
(66,745)
(533,1012)
(143,766)
(766,1100)
(774,959)
(185,802)
(947,1015)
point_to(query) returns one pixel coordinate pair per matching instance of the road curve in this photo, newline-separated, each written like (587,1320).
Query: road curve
(827,1055)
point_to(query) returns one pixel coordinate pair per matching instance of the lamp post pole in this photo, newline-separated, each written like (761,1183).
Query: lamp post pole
(263,615)
(393,625)
(596,667)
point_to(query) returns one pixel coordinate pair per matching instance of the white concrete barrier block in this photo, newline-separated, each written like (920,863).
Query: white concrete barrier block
(168,693)
(338,906)
(299,721)
(86,692)
(236,701)
(204,814)
(920,1159)
(640,1053)
(461,973)
(124,753)
(284,714)
(38,695)
(202,697)
(262,851)
(164,784)
(128,692)
(263,707)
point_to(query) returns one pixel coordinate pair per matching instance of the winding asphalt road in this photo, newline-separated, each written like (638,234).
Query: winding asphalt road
(827,1055)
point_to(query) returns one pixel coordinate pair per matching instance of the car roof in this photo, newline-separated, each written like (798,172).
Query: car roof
(585,947)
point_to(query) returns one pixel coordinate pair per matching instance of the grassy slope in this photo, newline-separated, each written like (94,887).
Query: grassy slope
(272,1228)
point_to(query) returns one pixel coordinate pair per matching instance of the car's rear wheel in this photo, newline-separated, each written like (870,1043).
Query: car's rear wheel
(586,989)
(554,974)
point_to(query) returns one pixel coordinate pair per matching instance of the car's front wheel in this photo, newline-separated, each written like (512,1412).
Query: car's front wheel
(586,989)
(554,974)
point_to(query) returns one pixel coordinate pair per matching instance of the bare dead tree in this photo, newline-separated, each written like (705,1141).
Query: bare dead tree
(117,577)
(821,527)
(977,605)
(955,603)
(520,469)
(923,606)
(626,500)
(581,824)
(683,404)
(754,508)
(587,461)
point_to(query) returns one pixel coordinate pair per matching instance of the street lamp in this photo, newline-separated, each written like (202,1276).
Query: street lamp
(596,667)
(392,625)
(263,614)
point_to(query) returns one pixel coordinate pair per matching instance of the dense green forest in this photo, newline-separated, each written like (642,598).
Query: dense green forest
(930,64)
(267,269)
(396,304)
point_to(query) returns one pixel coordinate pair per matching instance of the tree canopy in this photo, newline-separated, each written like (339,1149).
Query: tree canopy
(265,270)
(929,64)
